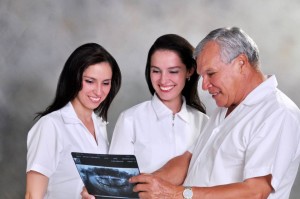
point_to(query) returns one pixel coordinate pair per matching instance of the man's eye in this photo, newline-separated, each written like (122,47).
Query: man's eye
(210,74)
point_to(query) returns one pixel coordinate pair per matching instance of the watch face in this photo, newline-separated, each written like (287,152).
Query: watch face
(187,193)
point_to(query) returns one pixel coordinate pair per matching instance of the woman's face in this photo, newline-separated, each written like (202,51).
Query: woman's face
(96,84)
(168,75)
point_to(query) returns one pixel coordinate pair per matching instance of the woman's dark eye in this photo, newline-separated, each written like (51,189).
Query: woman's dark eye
(155,71)
(106,83)
(89,81)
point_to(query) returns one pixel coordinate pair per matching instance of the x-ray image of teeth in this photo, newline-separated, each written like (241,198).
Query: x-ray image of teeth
(108,182)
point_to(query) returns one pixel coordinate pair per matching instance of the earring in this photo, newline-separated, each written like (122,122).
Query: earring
(189,78)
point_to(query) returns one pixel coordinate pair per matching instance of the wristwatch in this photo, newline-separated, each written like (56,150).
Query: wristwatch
(187,193)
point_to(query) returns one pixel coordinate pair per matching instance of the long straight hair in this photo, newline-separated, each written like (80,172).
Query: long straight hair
(70,80)
(185,51)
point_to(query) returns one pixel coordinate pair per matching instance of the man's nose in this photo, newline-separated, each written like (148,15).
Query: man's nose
(205,83)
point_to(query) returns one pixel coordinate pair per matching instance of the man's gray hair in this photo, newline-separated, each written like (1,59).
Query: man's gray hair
(233,42)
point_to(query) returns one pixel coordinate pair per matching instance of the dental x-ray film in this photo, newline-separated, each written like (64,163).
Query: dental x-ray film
(106,176)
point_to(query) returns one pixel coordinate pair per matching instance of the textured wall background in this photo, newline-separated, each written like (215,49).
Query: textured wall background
(36,37)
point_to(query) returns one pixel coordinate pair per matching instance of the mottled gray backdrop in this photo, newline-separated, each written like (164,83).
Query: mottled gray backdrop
(36,37)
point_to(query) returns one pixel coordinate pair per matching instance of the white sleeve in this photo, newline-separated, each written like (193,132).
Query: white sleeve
(274,148)
(202,120)
(288,150)
(123,136)
(43,147)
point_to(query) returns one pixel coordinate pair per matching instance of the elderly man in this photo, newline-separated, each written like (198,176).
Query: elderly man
(250,146)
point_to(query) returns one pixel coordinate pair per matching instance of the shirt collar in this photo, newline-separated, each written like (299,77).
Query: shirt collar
(69,115)
(161,110)
(261,91)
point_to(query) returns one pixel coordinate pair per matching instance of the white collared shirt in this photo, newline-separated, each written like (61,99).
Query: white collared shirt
(259,137)
(154,135)
(50,143)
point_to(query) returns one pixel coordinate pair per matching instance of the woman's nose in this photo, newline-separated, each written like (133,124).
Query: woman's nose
(164,78)
(98,90)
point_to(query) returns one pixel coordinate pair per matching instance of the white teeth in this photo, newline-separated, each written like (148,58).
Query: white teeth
(166,88)
(95,99)
(214,94)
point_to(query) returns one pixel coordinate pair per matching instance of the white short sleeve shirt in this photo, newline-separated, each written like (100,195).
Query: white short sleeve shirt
(154,135)
(50,143)
(260,137)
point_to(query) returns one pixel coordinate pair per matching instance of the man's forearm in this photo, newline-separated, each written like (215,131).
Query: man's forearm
(175,170)
(254,188)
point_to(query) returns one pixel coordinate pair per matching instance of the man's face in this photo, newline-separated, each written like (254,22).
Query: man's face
(222,81)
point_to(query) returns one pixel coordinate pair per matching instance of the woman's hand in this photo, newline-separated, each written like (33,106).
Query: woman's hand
(85,194)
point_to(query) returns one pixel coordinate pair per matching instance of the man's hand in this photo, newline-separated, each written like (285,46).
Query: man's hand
(150,186)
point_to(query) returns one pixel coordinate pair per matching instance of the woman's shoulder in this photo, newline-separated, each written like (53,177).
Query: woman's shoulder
(143,106)
(48,124)
(196,113)
(51,118)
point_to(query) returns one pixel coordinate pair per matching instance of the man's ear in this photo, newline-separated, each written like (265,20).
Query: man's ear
(242,61)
